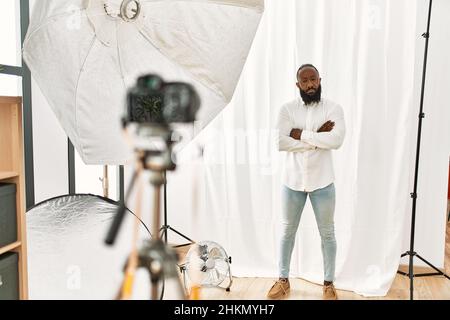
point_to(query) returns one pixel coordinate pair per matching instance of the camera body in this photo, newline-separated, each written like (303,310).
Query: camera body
(155,102)
(153,107)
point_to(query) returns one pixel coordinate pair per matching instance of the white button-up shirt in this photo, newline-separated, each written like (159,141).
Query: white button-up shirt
(308,164)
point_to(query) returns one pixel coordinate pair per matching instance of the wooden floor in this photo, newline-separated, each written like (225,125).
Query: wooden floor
(426,288)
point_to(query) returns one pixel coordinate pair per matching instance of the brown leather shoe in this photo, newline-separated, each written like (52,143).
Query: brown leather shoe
(329,292)
(280,289)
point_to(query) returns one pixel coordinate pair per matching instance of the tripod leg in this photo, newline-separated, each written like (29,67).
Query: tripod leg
(439,272)
(181,235)
(154,291)
(126,287)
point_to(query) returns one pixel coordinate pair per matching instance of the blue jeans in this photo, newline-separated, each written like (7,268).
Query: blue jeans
(323,203)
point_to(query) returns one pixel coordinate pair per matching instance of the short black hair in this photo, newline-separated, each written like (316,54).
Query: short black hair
(307,65)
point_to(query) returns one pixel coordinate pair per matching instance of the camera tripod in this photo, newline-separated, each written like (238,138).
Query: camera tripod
(153,106)
(154,256)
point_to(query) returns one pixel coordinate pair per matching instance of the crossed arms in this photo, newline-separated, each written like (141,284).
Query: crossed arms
(329,136)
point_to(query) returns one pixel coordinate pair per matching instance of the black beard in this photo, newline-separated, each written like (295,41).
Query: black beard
(310,99)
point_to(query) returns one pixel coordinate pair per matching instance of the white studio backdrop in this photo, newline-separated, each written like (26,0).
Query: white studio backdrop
(370,56)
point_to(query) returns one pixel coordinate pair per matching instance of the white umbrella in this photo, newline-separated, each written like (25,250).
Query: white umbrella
(84,54)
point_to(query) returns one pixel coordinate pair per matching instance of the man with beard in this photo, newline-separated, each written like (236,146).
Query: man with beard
(309,128)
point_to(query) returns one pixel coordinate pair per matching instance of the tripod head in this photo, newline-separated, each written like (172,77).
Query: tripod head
(153,146)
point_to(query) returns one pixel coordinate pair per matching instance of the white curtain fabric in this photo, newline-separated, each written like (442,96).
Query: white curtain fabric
(370,56)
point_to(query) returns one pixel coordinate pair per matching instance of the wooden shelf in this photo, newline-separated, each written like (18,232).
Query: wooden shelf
(12,171)
(8,175)
(10,247)
(10,100)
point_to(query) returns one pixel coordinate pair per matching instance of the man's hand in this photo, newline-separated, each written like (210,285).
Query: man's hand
(326,127)
(296,134)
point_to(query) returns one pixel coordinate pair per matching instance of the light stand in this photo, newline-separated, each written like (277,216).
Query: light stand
(165,227)
(411,253)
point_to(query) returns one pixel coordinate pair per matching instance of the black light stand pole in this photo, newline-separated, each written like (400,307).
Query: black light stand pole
(166,227)
(411,253)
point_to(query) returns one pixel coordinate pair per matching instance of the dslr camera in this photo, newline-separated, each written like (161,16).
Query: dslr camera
(155,102)
(153,108)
